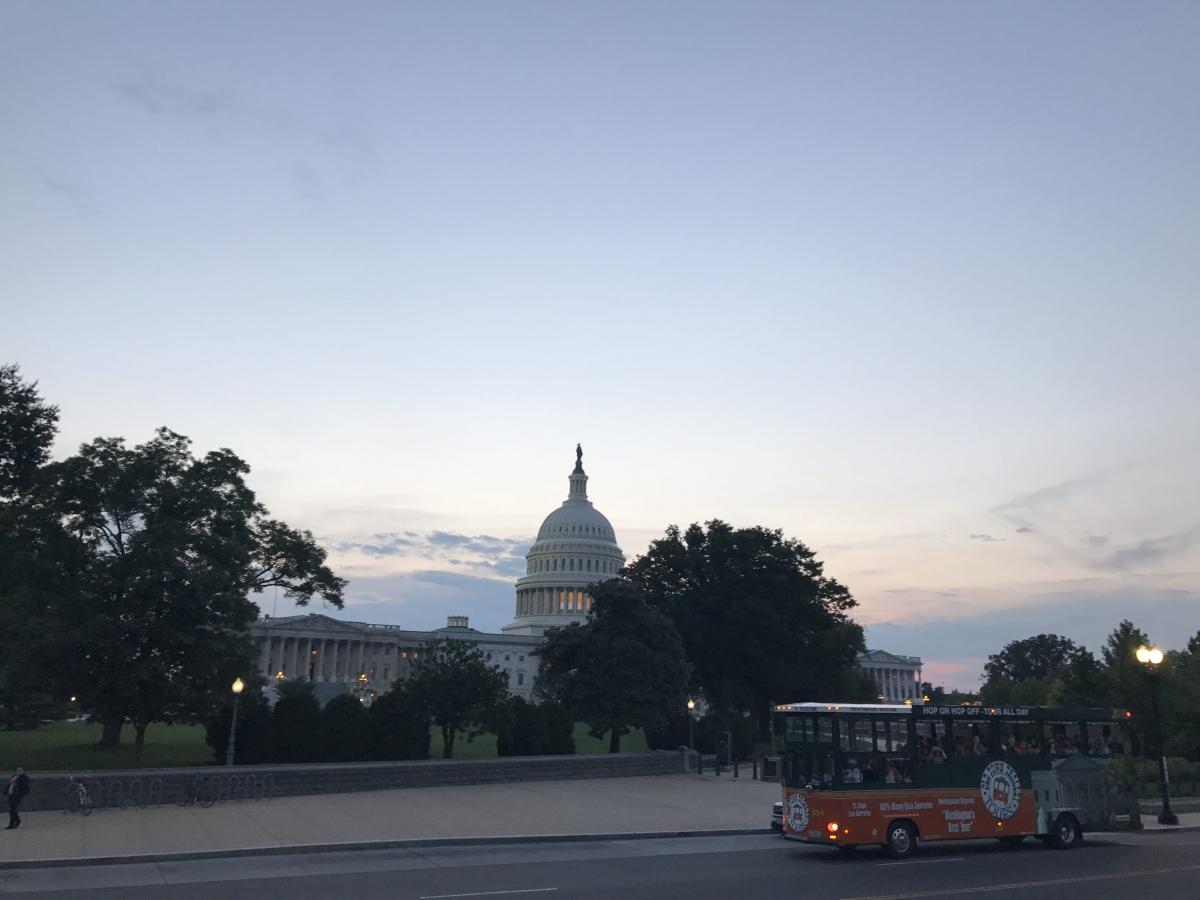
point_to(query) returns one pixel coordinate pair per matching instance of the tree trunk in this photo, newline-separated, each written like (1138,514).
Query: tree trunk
(448,735)
(111,736)
(139,741)
(614,741)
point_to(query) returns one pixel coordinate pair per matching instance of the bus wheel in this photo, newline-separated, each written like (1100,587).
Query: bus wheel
(901,840)
(1065,833)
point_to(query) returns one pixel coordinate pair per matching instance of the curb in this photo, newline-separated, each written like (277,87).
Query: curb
(354,846)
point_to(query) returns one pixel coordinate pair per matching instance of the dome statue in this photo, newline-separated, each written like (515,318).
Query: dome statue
(575,547)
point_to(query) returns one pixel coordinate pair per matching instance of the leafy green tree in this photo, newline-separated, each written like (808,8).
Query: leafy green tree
(345,730)
(399,725)
(295,724)
(560,729)
(175,545)
(522,729)
(252,744)
(623,668)
(759,619)
(1181,701)
(459,691)
(1125,679)
(39,562)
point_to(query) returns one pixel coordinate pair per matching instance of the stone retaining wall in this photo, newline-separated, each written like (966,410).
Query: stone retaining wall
(138,787)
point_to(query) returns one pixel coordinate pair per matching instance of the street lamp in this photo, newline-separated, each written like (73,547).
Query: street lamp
(1151,658)
(237,687)
(691,723)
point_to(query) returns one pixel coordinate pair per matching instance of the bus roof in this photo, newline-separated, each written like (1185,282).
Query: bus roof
(933,710)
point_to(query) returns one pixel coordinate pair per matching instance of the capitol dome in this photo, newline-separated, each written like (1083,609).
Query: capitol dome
(575,548)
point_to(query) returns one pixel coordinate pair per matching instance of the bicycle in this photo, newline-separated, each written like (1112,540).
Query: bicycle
(78,798)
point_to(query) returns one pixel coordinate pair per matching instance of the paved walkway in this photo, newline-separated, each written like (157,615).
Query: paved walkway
(668,803)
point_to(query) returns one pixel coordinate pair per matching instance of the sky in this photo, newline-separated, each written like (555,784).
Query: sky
(916,283)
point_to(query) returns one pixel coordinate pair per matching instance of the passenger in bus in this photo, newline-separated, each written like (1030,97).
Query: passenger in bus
(871,772)
(937,755)
(892,775)
(853,773)
(1115,747)
(1033,748)
(960,746)
(977,747)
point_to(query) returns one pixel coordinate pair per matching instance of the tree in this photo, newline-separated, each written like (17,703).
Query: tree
(759,619)
(27,430)
(457,688)
(39,563)
(522,729)
(174,546)
(295,723)
(1024,672)
(1125,681)
(399,725)
(623,668)
(345,730)
(253,739)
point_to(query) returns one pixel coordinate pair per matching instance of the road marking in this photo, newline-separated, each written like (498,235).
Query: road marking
(1019,885)
(490,893)
(921,862)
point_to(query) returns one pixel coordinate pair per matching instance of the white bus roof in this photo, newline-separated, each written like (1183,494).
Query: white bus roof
(844,707)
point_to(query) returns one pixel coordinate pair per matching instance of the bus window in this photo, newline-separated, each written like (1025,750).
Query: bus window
(824,729)
(899,730)
(1018,738)
(881,735)
(1064,738)
(932,740)
(1097,739)
(863,741)
(800,728)
(898,770)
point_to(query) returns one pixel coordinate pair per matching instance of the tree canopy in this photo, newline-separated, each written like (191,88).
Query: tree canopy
(457,689)
(623,668)
(759,619)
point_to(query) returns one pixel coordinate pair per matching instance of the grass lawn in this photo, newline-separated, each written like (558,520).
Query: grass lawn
(71,746)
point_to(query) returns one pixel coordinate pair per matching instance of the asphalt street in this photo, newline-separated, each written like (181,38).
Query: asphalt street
(1164,867)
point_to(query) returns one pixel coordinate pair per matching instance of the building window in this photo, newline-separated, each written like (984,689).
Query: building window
(507,657)
(589,565)
(521,658)
(386,671)
(520,678)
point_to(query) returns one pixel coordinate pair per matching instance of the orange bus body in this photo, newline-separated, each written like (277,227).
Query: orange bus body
(863,816)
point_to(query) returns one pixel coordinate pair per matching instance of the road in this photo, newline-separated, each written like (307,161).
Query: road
(744,868)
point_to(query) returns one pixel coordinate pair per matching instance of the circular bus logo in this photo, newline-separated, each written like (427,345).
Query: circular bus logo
(797,813)
(1001,789)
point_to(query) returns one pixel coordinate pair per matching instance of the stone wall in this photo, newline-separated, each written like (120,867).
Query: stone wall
(137,787)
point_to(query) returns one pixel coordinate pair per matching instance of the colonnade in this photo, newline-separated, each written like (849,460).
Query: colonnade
(896,684)
(542,601)
(330,659)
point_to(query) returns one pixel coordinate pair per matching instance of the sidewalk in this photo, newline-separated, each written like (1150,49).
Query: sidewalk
(670,803)
(1188,821)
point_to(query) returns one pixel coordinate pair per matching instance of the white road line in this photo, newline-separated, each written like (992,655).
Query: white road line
(490,893)
(1022,885)
(921,862)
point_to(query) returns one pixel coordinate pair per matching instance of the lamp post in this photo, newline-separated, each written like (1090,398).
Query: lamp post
(1151,658)
(691,723)
(362,687)
(237,688)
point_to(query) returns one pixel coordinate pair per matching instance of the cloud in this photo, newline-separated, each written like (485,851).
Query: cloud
(986,538)
(81,199)
(421,600)
(1149,552)
(1087,615)
(883,540)
(1025,529)
(487,554)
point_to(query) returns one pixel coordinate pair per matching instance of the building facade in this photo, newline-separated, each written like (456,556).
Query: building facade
(897,677)
(367,659)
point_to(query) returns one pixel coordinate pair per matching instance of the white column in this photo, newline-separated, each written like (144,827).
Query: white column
(337,652)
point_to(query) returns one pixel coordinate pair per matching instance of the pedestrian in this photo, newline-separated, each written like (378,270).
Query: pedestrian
(18,787)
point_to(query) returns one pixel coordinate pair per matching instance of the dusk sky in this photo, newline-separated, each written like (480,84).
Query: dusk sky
(917,283)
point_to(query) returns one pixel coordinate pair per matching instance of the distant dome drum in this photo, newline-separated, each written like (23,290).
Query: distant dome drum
(576,547)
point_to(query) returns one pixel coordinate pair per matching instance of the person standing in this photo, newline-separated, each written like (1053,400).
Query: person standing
(18,787)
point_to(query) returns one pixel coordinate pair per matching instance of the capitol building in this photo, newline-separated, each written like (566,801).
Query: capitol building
(575,547)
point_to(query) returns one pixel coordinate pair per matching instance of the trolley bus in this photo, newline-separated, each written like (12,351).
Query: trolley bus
(890,775)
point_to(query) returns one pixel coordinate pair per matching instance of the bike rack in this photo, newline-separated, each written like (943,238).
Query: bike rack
(95,790)
(155,793)
(268,785)
(116,794)
(137,794)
